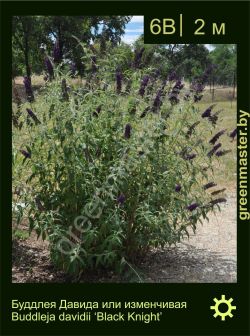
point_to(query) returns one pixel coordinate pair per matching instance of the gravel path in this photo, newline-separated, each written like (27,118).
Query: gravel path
(207,257)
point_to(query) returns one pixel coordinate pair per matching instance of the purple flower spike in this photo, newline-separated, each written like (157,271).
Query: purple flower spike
(216,136)
(173,99)
(33,116)
(189,156)
(178,86)
(207,112)
(209,185)
(157,102)
(28,89)
(191,129)
(217,201)
(214,149)
(97,111)
(233,134)
(222,152)
(118,77)
(197,88)
(178,188)
(27,155)
(127,132)
(144,83)
(172,76)
(138,57)
(192,206)
(121,199)
(144,113)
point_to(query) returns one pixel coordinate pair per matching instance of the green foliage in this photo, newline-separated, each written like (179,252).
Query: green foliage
(101,177)
(225,57)
(20,234)
(35,36)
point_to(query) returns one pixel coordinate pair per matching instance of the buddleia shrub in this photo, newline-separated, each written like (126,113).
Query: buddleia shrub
(109,173)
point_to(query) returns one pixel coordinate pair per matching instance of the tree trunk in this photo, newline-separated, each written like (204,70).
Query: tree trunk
(26,50)
(234,85)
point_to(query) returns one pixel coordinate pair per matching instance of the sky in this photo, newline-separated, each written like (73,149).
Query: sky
(133,29)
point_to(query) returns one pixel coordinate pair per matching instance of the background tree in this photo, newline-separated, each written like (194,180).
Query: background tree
(224,56)
(32,32)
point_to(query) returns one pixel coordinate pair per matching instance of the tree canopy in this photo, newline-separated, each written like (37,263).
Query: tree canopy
(61,38)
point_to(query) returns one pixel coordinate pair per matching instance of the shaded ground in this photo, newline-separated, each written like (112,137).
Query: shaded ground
(208,256)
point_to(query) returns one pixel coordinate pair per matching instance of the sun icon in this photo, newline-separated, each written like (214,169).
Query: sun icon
(218,305)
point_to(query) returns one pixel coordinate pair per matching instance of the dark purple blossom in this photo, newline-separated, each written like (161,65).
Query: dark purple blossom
(28,89)
(197,88)
(138,57)
(118,77)
(26,154)
(214,149)
(217,136)
(209,185)
(197,97)
(127,132)
(178,86)
(191,129)
(216,192)
(49,68)
(233,134)
(217,201)
(214,117)
(33,116)
(222,152)
(177,187)
(157,101)
(57,53)
(207,112)
(192,206)
(121,199)
(144,83)
(65,95)
(173,98)
(97,111)
(173,95)
(187,96)
(156,73)
(172,76)
(146,110)
(189,157)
